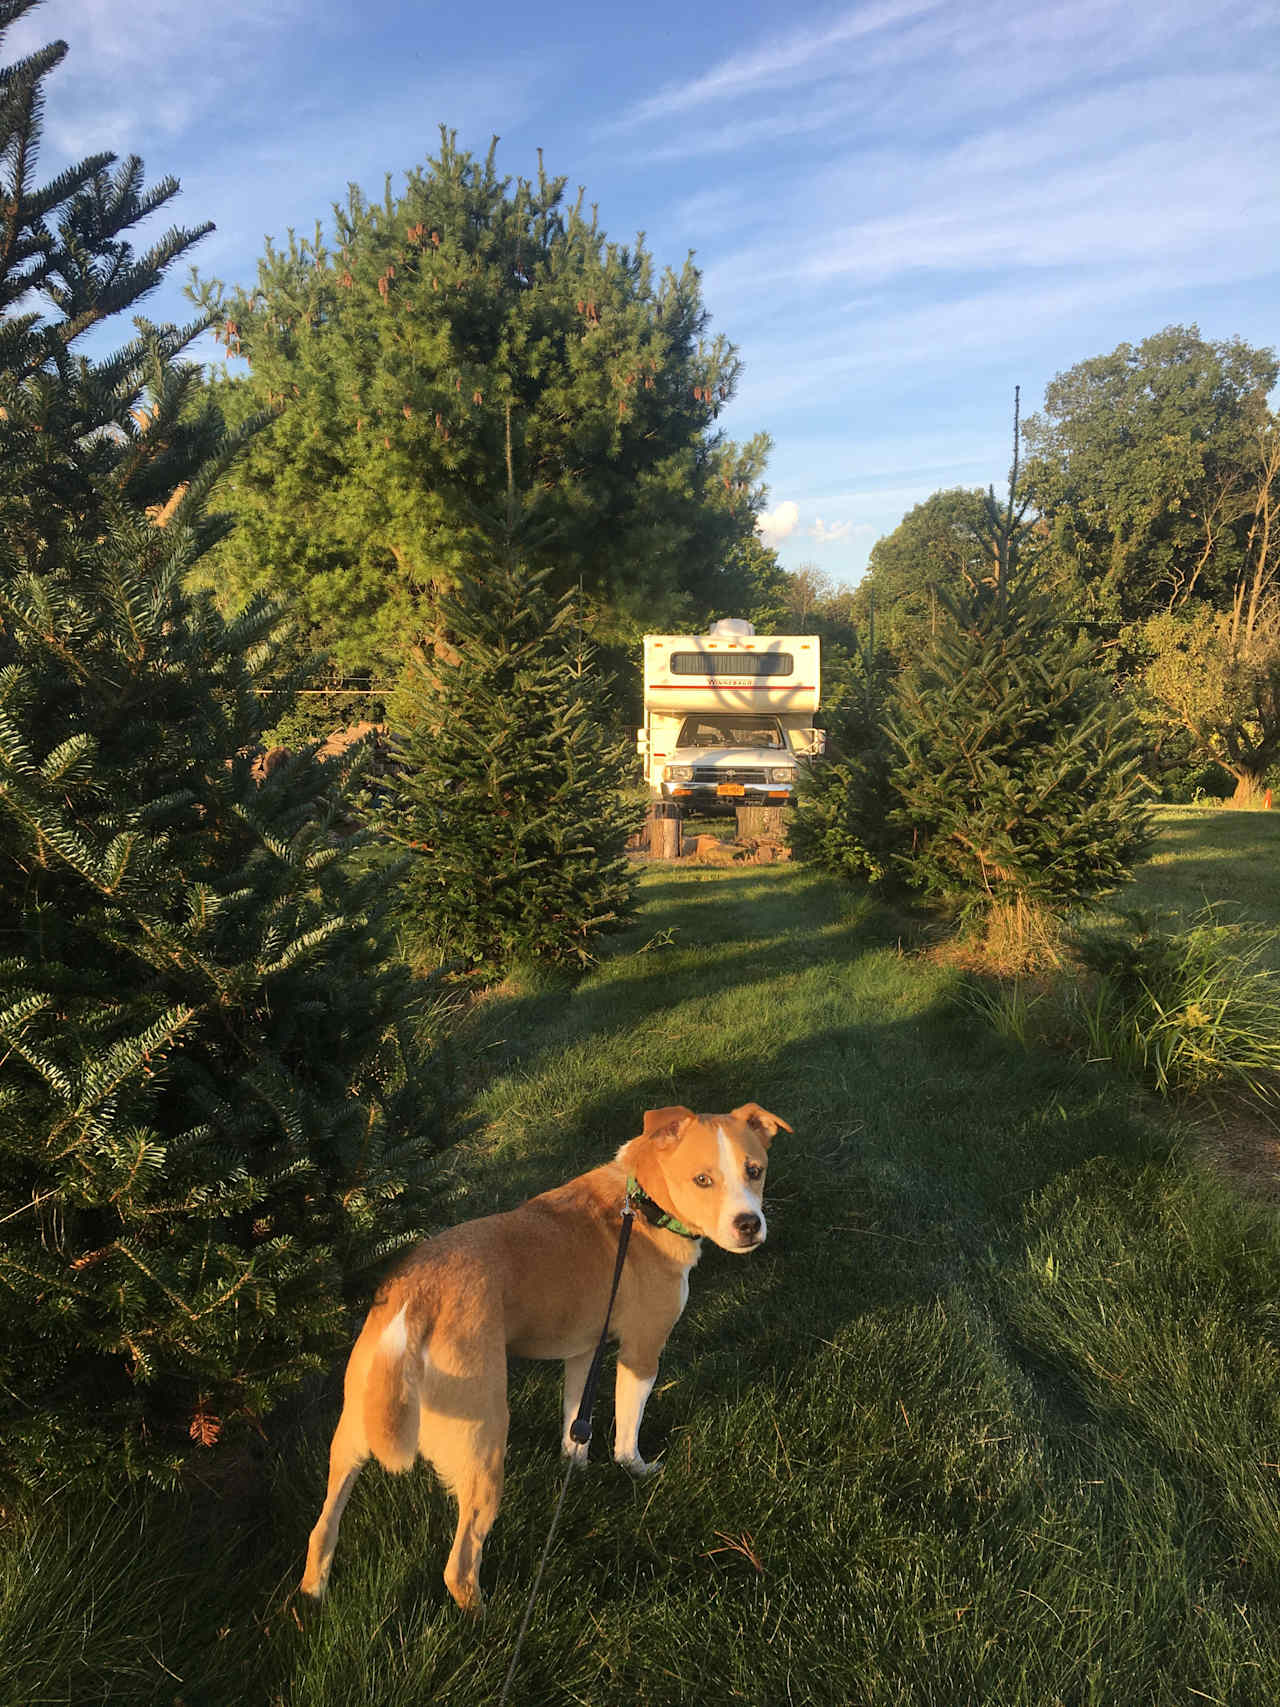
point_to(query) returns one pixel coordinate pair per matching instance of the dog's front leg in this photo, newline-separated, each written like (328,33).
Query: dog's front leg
(634,1385)
(575,1379)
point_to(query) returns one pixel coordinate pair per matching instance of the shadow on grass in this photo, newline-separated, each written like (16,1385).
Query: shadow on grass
(699,937)
(919,1139)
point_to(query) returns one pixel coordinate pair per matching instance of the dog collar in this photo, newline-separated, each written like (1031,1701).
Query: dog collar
(654,1213)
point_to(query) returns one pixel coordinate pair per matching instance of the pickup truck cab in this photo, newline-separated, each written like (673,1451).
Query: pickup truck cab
(728,715)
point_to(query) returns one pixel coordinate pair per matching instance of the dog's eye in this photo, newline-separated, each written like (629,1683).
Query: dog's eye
(754,1170)
(702,1179)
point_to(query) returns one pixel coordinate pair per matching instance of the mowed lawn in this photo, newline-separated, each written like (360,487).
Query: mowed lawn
(994,1416)
(1208,855)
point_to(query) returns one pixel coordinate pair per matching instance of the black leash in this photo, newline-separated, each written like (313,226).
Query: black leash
(579,1433)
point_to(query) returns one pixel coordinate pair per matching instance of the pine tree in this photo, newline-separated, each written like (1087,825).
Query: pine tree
(510,795)
(211,1106)
(389,353)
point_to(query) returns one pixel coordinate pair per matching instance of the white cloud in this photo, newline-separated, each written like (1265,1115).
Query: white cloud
(830,533)
(732,134)
(776,524)
(967,59)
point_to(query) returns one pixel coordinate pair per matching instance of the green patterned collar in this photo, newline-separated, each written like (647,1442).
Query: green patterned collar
(654,1213)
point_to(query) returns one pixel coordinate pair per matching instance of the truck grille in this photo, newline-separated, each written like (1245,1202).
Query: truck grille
(708,773)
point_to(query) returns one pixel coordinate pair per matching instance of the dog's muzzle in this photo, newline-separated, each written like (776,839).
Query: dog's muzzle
(747,1228)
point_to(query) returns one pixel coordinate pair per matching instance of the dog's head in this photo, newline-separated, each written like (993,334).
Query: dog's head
(709,1169)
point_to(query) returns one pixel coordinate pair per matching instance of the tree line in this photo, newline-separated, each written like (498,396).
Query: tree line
(1150,484)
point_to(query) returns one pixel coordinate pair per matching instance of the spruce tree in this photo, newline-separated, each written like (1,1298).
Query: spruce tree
(841,818)
(1017,777)
(510,796)
(211,1107)
(1016,774)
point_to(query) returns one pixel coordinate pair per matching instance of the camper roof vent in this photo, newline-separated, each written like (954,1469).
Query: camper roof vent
(731,626)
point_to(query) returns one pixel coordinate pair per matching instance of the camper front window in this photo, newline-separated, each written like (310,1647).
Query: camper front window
(718,730)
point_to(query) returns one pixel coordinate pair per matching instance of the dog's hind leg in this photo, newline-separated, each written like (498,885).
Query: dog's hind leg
(379,1412)
(347,1456)
(478,1494)
(462,1429)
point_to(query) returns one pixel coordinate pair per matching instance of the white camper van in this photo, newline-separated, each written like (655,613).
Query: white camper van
(727,714)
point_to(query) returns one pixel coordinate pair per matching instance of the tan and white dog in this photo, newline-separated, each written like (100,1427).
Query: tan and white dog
(428,1374)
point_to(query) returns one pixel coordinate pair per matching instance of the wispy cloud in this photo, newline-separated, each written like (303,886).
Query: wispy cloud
(781,62)
(149,70)
(831,533)
(1099,209)
(216,98)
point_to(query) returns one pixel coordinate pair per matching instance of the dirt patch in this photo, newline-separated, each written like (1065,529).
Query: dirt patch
(1242,1146)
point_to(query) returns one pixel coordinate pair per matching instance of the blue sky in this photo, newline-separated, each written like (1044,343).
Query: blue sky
(901,208)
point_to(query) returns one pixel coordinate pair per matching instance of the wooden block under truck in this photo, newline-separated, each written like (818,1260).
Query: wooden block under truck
(728,715)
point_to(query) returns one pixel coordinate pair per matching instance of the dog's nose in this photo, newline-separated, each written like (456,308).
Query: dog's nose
(747,1225)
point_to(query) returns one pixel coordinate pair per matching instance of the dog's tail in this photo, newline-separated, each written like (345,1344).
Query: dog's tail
(391,1392)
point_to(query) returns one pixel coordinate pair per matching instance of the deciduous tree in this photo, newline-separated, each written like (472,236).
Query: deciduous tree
(936,549)
(1217,671)
(1140,464)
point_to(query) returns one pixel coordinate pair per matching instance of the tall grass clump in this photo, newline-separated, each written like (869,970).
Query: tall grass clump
(1192,1011)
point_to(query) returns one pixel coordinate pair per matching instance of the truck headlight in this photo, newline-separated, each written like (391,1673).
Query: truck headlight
(677,773)
(782,773)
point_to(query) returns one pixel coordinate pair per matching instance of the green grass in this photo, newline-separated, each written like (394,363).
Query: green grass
(1211,855)
(994,1417)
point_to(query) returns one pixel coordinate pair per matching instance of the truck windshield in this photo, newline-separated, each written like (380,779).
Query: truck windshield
(726,730)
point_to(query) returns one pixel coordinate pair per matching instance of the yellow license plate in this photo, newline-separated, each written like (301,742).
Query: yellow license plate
(730,788)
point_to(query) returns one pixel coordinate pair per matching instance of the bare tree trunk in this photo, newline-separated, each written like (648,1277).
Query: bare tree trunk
(665,831)
(761,823)
(1265,572)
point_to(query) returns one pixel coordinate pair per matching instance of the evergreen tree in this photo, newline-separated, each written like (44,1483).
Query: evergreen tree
(210,1104)
(1016,769)
(841,820)
(390,352)
(999,771)
(1017,772)
(510,794)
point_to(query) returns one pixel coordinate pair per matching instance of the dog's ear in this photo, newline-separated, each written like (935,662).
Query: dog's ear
(760,1121)
(663,1124)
